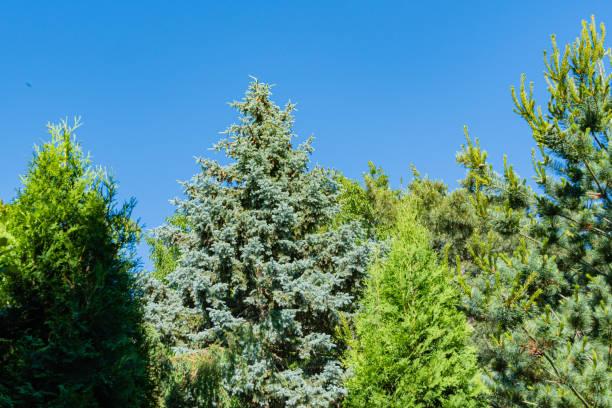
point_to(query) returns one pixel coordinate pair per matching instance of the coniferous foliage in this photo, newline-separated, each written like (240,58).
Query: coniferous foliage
(374,205)
(70,327)
(257,269)
(260,294)
(163,255)
(410,343)
(5,240)
(449,217)
(542,303)
(194,381)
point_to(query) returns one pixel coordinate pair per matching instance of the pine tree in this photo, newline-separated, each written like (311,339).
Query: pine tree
(70,326)
(541,303)
(374,205)
(258,271)
(410,343)
(449,217)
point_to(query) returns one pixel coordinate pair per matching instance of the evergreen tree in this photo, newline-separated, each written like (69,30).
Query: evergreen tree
(374,205)
(449,217)
(542,303)
(409,347)
(163,255)
(70,326)
(257,270)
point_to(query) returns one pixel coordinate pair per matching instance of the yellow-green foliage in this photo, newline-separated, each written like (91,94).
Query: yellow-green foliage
(539,288)
(408,345)
(165,255)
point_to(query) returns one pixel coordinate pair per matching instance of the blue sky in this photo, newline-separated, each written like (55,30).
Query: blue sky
(391,82)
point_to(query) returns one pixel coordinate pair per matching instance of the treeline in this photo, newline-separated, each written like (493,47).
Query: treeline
(277,283)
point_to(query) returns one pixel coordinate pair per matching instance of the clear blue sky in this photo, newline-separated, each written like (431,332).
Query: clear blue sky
(391,82)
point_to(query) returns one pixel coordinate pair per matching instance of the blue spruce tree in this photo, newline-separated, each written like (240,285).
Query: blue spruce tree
(258,270)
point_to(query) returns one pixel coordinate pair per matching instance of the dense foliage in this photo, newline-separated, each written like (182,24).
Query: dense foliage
(450,217)
(375,205)
(410,343)
(70,327)
(540,294)
(264,292)
(256,270)
(194,380)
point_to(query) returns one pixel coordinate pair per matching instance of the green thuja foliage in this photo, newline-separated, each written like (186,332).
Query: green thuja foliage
(165,255)
(258,272)
(5,240)
(409,343)
(541,303)
(70,326)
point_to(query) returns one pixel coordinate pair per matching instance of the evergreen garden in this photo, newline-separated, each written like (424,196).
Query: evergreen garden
(279,283)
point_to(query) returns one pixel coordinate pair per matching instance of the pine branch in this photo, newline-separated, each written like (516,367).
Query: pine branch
(554,367)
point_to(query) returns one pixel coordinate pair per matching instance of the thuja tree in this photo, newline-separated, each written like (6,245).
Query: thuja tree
(543,312)
(70,327)
(258,270)
(410,342)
